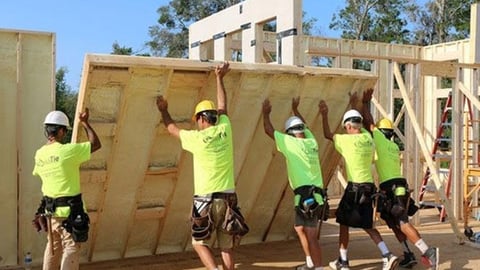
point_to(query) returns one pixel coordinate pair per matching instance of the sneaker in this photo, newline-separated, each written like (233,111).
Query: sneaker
(390,261)
(408,260)
(431,257)
(339,264)
(304,267)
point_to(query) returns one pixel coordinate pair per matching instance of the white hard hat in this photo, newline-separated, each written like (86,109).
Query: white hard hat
(57,118)
(351,114)
(292,122)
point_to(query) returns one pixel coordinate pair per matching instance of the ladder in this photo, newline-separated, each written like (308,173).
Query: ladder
(471,171)
(438,155)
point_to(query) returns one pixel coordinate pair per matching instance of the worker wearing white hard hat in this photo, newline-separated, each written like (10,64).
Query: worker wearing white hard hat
(58,165)
(300,149)
(355,208)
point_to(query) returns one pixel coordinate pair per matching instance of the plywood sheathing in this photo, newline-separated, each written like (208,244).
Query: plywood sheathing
(138,187)
(26,95)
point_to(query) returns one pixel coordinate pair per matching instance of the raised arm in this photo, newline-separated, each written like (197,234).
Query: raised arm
(91,134)
(267,124)
(172,128)
(368,121)
(220,71)
(295,103)
(323,110)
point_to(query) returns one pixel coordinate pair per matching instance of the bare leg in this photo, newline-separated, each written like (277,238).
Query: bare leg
(227,259)
(401,237)
(314,245)
(303,239)
(375,235)
(344,237)
(412,234)
(206,256)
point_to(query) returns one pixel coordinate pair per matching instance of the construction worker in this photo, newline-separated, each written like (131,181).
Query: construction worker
(214,185)
(395,205)
(58,165)
(300,149)
(355,208)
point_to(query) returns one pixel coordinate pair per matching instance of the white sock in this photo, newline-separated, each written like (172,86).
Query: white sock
(309,261)
(343,254)
(421,245)
(383,248)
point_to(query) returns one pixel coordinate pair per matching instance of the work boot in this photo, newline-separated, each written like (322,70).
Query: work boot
(339,264)
(431,258)
(390,261)
(408,260)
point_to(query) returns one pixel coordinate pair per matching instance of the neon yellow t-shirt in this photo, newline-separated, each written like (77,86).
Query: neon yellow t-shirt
(303,164)
(212,150)
(357,150)
(58,167)
(387,161)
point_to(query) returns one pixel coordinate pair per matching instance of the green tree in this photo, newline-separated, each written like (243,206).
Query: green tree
(117,49)
(170,35)
(373,20)
(440,21)
(65,98)
(121,50)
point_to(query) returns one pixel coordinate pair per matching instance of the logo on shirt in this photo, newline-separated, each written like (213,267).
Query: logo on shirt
(220,135)
(49,160)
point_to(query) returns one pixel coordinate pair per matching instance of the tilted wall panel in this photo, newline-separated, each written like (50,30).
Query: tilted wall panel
(144,207)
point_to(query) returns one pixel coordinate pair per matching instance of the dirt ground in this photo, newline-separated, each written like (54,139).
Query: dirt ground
(363,254)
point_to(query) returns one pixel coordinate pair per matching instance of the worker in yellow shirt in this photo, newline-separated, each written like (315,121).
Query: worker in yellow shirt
(58,165)
(300,149)
(355,208)
(215,199)
(396,205)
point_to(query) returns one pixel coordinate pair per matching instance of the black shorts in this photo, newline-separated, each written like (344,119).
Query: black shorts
(355,208)
(396,209)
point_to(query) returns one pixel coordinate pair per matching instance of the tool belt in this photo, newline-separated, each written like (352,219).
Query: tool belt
(360,193)
(398,199)
(77,222)
(202,223)
(308,206)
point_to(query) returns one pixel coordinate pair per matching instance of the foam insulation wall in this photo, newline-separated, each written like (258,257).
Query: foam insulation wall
(138,186)
(27,73)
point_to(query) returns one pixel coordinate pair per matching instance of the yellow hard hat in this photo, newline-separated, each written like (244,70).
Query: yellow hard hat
(204,105)
(385,124)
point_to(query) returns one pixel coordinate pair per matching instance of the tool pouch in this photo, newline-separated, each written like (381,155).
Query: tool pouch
(77,223)
(39,222)
(202,224)
(234,222)
(308,205)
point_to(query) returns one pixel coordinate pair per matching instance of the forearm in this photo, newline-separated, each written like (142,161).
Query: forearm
(327,133)
(267,125)
(92,137)
(221,97)
(368,121)
(167,119)
(169,123)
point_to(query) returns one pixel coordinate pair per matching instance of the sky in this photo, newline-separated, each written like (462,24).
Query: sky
(89,26)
